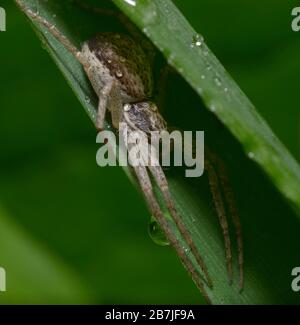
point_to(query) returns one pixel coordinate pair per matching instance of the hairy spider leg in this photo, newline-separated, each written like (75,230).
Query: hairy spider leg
(147,189)
(162,183)
(146,186)
(56,33)
(219,184)
(219,205)
(222,174)
(229,197)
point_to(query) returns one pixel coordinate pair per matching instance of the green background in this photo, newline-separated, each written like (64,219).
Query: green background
(75,233)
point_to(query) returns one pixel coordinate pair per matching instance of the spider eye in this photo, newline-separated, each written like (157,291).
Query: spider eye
(127,107)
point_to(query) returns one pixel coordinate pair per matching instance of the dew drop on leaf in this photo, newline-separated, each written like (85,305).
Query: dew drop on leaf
(251,155)
(198,40)
(186,250)
(218,82)
(156,234)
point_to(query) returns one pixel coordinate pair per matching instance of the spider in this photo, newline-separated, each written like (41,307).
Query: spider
(120,72)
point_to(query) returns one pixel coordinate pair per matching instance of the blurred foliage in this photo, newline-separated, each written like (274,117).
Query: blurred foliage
(92,218)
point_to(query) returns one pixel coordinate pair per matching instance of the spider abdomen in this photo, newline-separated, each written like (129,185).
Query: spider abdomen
(123,60)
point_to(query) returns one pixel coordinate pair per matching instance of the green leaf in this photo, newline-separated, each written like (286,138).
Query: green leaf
(270,252)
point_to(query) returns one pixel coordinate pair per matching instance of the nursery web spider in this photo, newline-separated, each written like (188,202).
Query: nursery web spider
(121,75)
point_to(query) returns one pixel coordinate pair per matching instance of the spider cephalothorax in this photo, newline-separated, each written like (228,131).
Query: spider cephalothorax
(144,116)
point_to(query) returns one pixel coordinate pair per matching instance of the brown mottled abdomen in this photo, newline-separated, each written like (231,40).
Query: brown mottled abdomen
(126,61)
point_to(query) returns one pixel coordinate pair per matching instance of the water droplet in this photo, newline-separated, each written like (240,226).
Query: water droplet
(193,220)
(122,59)
(198,40)
(186,250)
(226,89)
(109,61)
(119,74)
(200,90)
(54,15)
(156,234)
(205,52)
(131,2)
(94,114)
(251,155)
(218,82)
(87,99)
(212,107)
(145,30)
(171,59)
(202,76)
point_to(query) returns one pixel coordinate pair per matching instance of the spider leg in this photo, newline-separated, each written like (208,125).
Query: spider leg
(55,32)
(162,183)
(229,197)
(218,201)
(102,106)
(220,208)
(109,99)
(146,187)
(160,179)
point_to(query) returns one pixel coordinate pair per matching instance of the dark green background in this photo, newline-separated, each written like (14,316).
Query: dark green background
(56,205)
